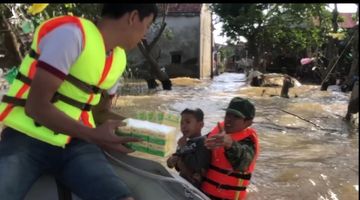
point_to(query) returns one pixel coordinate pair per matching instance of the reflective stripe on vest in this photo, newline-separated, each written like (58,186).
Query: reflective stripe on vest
(28,65)
(91,60)
(84,114)
(221,181)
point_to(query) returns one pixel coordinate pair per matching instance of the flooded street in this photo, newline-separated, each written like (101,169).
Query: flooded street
(306,150)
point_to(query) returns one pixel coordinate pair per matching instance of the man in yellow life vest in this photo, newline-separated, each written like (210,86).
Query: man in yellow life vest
(235,149)
(47,112)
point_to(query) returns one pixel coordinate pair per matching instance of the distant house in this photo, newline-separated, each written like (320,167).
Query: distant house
(347,20)
(188,52)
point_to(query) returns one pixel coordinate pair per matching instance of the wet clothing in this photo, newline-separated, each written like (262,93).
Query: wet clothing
(195,156)
(240,154)
(228,175)
(287,84)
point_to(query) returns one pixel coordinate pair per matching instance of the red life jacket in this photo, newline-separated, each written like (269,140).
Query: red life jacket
(221,180)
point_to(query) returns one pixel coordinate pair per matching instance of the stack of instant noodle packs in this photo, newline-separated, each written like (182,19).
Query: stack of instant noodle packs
(156,129)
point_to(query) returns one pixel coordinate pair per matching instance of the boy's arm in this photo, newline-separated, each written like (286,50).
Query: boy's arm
(199,159)
(171,161)
(241,154)
(184,169)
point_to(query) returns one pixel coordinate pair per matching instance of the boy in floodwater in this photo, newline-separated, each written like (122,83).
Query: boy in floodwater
(191,158)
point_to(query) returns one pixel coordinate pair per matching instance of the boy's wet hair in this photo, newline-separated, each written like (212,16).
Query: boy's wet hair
(197,113)
(116,10)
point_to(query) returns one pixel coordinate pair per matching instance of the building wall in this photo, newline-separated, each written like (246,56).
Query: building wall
(205,42)
(184,31)
(193,45)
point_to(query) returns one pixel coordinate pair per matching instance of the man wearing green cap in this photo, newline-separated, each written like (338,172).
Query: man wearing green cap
(234,148)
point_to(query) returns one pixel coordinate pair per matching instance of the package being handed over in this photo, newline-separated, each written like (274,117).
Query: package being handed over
(158,139)
(159,117)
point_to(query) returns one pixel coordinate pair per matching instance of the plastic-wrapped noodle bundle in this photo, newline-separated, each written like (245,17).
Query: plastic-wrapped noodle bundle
(158,139)
(159,117)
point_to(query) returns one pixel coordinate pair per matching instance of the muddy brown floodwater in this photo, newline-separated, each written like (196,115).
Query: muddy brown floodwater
(306,150)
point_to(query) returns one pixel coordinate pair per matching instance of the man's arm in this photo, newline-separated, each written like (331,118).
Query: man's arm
(39,107)
(102,112)
(241,154)
(60,49)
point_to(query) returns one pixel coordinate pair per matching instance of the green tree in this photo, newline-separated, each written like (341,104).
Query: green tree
(19,25)
(145,48)
(242,20)
(275,27)
(354,70)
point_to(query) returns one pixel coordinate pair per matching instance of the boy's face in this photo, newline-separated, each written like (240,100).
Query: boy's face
(189,126)
(233,123)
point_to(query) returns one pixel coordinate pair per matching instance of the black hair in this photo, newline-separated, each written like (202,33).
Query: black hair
(116,10)
(197,113)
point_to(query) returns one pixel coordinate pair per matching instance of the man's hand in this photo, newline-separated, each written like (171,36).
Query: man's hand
(171,162)
(219,140)
(104,136)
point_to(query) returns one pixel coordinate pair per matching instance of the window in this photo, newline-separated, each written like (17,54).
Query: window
(176,57)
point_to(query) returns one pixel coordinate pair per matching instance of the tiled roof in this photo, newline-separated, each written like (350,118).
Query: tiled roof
(348,21)
(184,8)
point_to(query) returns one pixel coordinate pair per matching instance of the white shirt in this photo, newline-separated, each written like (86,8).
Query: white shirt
(61,47)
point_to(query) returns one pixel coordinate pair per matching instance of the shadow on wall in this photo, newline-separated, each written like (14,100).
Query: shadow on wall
(179,70)
(189,68)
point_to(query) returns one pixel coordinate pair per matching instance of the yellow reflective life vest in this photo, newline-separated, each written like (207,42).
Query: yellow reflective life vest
(91,73)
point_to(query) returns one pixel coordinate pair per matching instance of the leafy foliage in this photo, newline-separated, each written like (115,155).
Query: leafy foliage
(23,18)
(287,27)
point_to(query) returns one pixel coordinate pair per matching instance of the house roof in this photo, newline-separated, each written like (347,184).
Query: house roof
(184,7)
(348,22)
